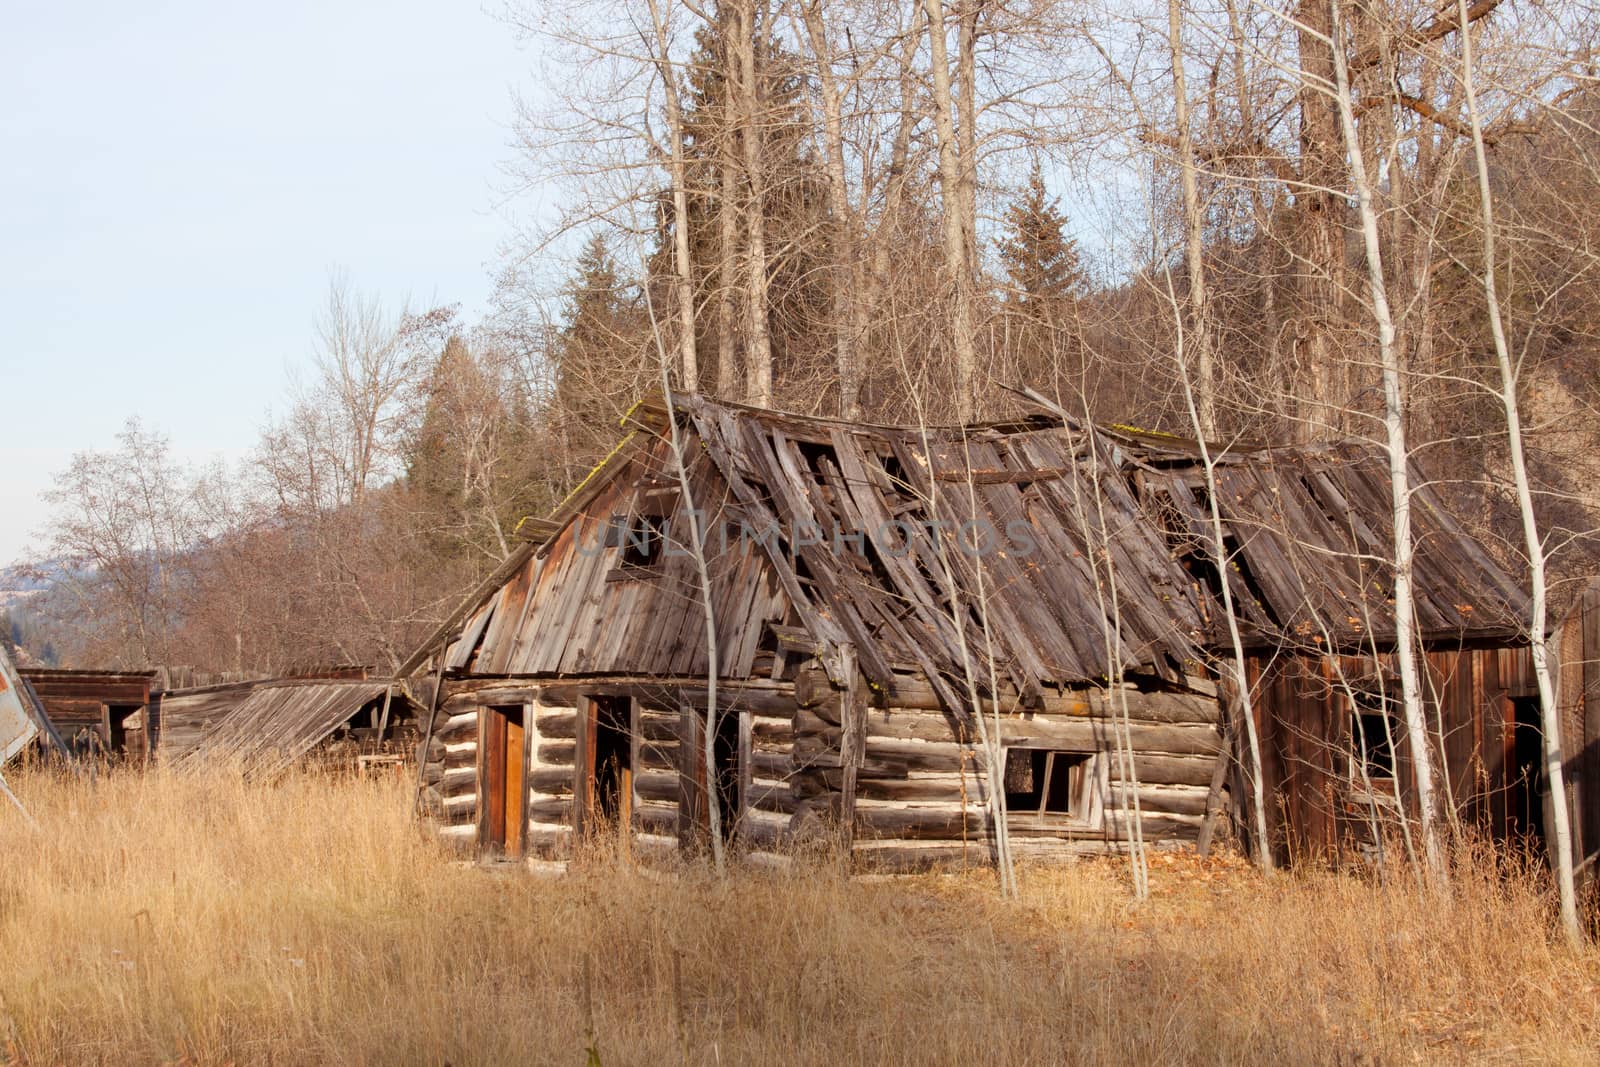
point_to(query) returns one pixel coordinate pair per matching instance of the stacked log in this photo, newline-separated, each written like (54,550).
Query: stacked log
(450,773)
(770,801)
(919,780)
(920,784)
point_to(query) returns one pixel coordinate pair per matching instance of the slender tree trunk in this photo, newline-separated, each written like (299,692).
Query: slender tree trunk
(1550,714)
(683,264)
(727,269)
(950,186)
(1422,757)
(748,87)
(967,129)
(1260,844)
(882,241)
(848,312)
(1199,313)
(1318,264)
(696,549)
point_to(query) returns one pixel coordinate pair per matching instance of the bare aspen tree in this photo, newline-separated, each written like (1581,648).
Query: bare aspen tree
(967,16)
(697,551)
(1192,326)
(990,733)
(1089,514)
(1394,422)
(975,672)
(1244,703)
(951,184)
(683,265)
(1199,331)
(1319,230)
(748,79)
(1550,715)
(898,173)
(1097,539)
(727,267)
(990,737)
(849,310)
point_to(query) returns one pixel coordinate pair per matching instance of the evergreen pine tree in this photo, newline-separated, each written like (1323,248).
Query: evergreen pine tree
(1043,271)
(603,362)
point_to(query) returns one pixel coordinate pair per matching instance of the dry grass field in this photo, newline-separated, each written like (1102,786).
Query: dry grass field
(157,919)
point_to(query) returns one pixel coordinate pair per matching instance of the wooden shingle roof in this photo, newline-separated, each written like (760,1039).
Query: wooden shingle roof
(1058,547)
(278,722)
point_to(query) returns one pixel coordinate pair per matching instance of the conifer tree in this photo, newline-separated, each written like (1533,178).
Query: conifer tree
(1043,274)
(601,363)
(1044,280)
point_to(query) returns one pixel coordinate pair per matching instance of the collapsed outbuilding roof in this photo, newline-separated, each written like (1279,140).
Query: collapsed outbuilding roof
(1059,547)
(280,721)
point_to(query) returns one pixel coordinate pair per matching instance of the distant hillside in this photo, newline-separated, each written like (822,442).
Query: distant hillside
(19,619)
(21,583)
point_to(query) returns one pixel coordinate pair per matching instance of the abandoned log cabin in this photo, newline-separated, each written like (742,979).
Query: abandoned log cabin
(875,589)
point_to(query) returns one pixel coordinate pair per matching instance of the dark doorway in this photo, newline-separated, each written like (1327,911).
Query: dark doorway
(1372,732)
(726,775)
(726,750)
(1525,775)
(124,730)
(610,762)
(505,756)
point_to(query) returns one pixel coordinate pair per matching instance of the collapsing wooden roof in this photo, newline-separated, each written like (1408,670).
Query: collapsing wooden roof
(1059,547)
(184,716)
(281,721)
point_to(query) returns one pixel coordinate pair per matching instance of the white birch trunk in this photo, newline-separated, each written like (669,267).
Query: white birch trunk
(758,353)
(1194,251)
(683,269)
(696,550)
(848,312)
(1422,760)
(950,188)
(1549,713)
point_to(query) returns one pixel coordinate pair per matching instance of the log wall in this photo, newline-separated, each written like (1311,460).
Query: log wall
(919,781)
(452,776)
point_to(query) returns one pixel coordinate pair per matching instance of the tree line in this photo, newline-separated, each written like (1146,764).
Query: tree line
(890,211)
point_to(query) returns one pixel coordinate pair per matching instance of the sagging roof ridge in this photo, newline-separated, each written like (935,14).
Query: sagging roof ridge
(646,420)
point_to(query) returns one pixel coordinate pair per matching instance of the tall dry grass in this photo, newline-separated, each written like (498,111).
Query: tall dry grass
(157,919)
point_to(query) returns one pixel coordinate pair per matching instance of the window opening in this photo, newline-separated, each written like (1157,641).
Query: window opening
(726,750)
(123,720)
(1371,740)
(1044,782)
(644,541)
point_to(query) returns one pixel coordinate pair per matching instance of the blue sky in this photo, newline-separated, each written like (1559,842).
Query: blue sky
(180,179)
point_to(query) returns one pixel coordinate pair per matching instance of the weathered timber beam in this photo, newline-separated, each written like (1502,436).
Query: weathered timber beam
(772,796)
(556,752)
(552,781)
(657,785)
(1146,705)
(656,818)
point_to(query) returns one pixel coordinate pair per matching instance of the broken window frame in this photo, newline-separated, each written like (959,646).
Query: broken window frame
(1087,796)
(1372,706)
